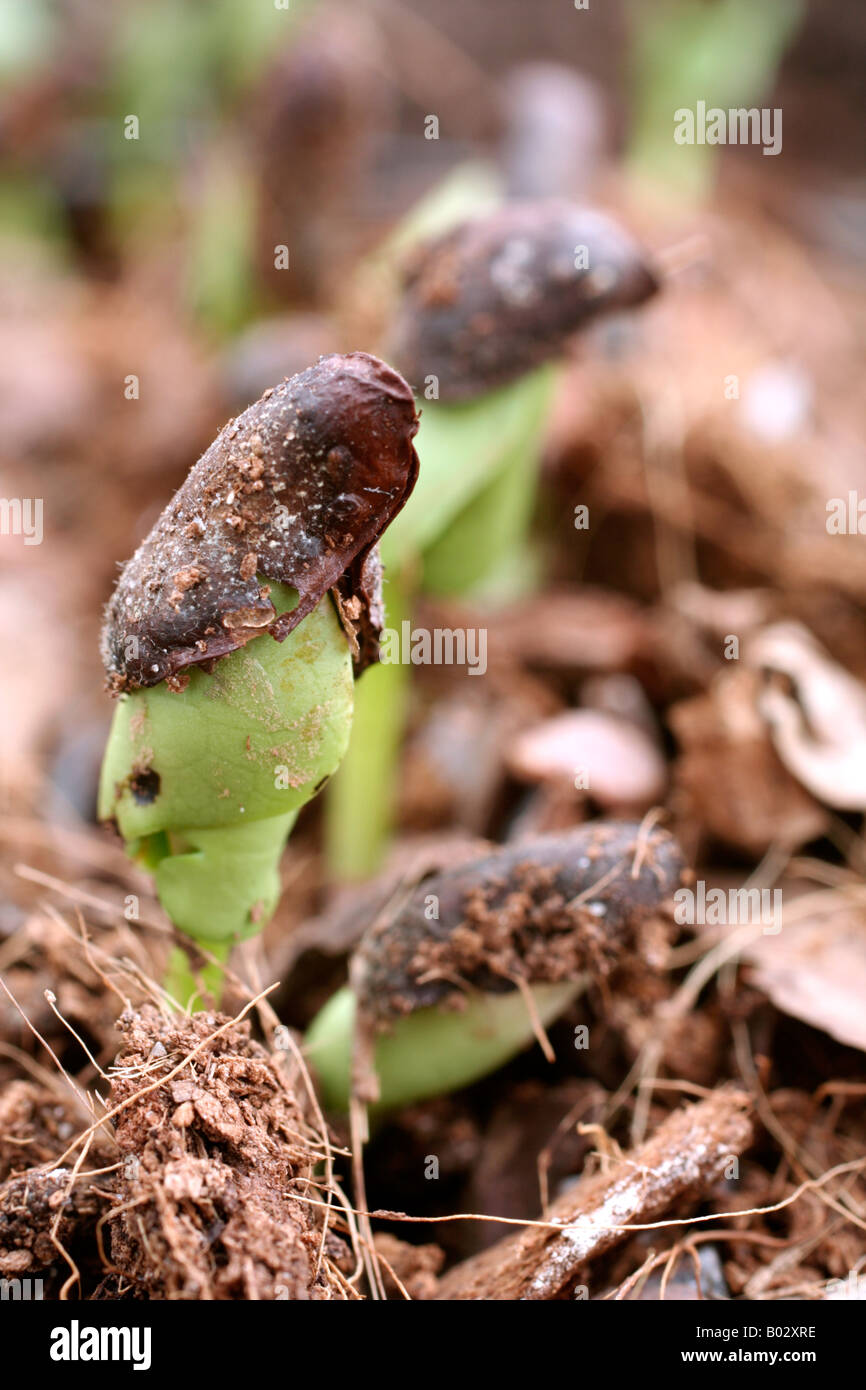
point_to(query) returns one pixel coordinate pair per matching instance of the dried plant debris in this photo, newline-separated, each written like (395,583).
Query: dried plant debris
(540,912)
(36,1124)
(677,1279)
(610,759)
(815,967)
(582,630)
(680,1164)
(214,1159)
(297,490)
(416,1267)
(534,1130)
(499,295)
(730,782)
(815,711)
(50,971)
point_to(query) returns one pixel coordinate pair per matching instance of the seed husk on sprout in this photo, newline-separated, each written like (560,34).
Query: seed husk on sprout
(486,313)
(480,958)
(232,635)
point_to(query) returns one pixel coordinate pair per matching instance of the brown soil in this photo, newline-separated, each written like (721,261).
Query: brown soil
(211,1191)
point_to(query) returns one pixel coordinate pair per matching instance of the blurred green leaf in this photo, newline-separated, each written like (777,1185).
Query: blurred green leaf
(722,52)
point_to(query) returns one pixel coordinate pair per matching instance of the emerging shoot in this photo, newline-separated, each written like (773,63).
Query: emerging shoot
(232,635)
(479,959)
(487,310)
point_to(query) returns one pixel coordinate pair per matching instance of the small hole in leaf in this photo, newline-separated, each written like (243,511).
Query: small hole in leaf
(145,786)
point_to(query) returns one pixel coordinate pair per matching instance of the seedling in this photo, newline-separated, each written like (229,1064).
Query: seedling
(232,635)
(479,959)
(487,310)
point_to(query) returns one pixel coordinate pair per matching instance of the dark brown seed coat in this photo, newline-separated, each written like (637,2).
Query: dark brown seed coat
(297,489)
(499,295)
(543,911)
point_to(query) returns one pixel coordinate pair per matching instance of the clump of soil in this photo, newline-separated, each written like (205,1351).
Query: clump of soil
(217,1157)
(43,1214)
(214,1192)
(35,1125)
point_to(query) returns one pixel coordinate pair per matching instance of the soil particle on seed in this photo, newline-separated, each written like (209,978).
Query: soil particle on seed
(543,911)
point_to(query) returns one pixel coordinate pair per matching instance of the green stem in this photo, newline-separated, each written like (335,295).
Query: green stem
(431,1051)
(468,525)
(185,985)
(484,552)
(205,784)
(224,877)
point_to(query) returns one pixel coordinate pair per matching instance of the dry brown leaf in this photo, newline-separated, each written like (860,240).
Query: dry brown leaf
(730,781)
(815,968)
(817,723)
(613,760)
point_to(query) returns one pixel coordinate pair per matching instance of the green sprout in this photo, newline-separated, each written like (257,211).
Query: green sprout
(436,1002)
(231,639)
(268,727)
(486,314)
(432,1051)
